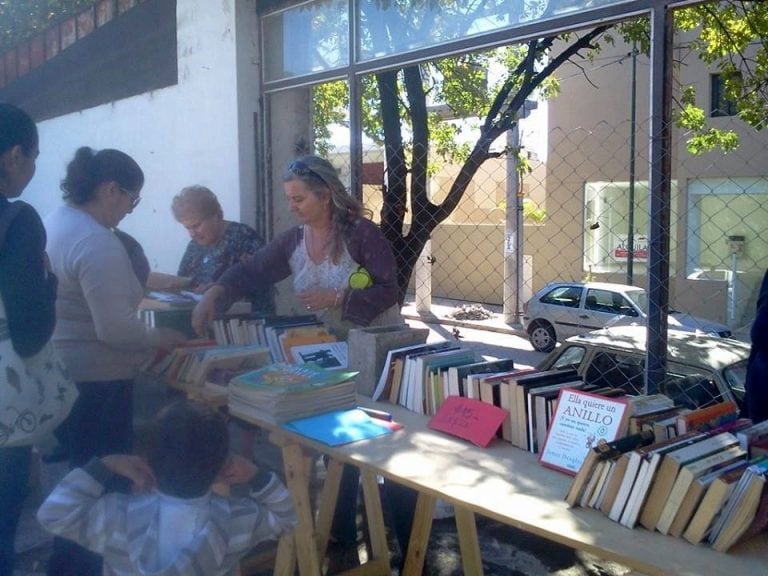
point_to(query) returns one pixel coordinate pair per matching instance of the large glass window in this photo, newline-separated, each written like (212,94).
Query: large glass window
(387,28)
(607,222)
(308,38)
(726,225)
(314,36)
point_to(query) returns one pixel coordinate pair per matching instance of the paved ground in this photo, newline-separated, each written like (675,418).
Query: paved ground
(506,551)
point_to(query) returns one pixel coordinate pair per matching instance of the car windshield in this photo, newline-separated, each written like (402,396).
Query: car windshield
(640,298)
(736,376)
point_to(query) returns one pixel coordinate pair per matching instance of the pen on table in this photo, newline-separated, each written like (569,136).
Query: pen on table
(380,414)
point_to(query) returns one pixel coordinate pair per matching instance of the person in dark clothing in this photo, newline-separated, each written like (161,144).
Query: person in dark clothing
(139,261)
(756,400)
(28,291)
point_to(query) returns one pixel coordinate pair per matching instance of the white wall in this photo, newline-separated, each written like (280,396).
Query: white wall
(190,133)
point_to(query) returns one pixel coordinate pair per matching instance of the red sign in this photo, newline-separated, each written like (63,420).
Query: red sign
(469,419)
(622,252)
(639,252)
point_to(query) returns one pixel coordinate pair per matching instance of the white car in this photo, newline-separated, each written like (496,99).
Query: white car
(564,309)
(701,370)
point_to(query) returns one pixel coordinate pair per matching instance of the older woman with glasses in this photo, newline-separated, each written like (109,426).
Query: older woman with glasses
(98,334)
(215,244)
(342,268)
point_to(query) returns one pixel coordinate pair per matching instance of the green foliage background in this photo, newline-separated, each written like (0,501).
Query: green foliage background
(22,19)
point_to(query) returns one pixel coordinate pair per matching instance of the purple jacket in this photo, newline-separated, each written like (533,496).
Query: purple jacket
(367,246)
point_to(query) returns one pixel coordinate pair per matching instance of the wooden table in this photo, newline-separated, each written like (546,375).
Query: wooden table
(500,482)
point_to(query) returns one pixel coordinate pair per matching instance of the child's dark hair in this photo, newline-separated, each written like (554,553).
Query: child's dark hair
(90,168)
(16,129)
(189,446)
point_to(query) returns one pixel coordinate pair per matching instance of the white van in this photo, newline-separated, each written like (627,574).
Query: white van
(701,370)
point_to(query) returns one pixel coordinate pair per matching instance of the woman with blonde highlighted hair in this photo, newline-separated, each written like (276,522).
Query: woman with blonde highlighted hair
(341,265)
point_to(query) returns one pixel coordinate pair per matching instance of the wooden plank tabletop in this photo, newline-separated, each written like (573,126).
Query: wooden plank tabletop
(509,485)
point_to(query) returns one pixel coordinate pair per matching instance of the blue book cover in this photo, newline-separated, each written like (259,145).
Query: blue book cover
(340,427)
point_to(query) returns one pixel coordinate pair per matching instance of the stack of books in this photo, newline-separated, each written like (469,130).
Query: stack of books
(421,376)
(745,513)
(281,392)
(279,333)
(700,485)
(188,367)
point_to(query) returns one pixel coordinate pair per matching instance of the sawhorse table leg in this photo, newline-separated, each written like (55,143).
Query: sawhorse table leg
(307,546)
(466,527)
(422,526)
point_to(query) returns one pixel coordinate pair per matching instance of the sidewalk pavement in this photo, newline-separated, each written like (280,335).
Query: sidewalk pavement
(491,337)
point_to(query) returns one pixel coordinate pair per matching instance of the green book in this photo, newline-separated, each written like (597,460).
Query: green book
(282,378)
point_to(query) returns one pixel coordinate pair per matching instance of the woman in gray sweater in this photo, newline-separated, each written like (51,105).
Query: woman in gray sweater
(98,335)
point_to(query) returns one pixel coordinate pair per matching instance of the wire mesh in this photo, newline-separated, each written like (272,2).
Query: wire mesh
(584,207)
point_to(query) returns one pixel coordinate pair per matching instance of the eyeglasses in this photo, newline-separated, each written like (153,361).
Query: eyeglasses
(135,197)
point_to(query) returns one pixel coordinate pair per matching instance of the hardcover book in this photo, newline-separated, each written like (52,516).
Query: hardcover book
(457,374)
(519,386)
(540,410)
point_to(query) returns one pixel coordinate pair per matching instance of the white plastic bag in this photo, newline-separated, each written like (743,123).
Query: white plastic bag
(36,393)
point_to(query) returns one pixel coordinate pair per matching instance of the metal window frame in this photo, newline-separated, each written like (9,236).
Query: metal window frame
(660,88)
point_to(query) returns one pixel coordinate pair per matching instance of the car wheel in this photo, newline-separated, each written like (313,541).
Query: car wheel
(542,336)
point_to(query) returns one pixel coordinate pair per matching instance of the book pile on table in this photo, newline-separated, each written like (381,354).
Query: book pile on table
(704,484)
(279,333)
(281,392)
(189,366)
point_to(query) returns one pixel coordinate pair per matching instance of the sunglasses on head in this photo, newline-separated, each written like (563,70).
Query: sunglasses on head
(302,170)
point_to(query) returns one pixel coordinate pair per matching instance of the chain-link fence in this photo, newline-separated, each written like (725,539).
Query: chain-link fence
(584,203)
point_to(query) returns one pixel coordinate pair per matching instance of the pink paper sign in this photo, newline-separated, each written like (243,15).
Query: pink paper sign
(469,419)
